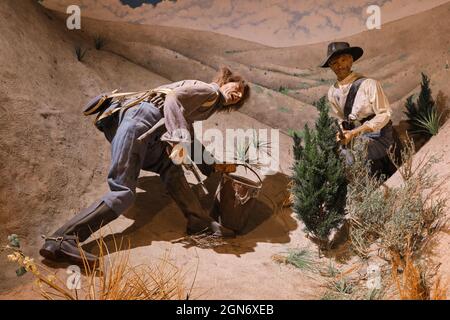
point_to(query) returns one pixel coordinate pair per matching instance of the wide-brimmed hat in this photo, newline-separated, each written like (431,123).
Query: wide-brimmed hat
(336,48)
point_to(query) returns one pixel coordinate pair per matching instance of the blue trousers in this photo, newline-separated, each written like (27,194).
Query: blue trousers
(129,156)
(378,144)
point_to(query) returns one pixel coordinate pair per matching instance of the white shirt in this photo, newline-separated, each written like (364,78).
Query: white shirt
(370,100)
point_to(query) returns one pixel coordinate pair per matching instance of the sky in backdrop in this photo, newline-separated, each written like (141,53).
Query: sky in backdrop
(278,23)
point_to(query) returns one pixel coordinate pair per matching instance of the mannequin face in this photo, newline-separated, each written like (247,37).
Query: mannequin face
(341,65)
(232,92)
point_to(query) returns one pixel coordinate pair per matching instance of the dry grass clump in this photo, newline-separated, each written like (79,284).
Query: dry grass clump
(113,278)
(299,258)
(349,285)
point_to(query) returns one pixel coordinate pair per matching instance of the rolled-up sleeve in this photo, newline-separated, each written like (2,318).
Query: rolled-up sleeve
(379,103)
(179,104)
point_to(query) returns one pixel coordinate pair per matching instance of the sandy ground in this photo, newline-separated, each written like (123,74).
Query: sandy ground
(54,162)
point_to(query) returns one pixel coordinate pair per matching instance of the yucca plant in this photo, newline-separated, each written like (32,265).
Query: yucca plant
(423,115)
(259,144)
(428,123)
(99,42)
(246,149)
(80,53)
(242,152)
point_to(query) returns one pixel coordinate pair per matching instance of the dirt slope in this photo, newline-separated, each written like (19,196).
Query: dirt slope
(52,159)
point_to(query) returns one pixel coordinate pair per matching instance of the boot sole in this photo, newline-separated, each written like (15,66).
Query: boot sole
(51,252)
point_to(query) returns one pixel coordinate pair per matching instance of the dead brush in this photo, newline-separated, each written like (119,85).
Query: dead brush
(203,240)
(113,278)
(411,280)
(342,285)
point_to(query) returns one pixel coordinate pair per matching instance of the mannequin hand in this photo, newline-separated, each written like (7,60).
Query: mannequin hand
(178,154)
(348,136)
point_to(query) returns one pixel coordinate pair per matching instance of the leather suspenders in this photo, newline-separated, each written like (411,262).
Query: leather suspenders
(351,97)
(347,123)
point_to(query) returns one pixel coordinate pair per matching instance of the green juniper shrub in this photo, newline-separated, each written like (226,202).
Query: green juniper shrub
(319,182)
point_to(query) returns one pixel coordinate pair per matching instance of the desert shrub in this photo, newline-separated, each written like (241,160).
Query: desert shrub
(319,182)
(399,218)
(283,90)
(284,109)
(258,89)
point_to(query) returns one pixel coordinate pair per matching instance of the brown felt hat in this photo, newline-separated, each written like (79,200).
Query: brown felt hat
(337,48)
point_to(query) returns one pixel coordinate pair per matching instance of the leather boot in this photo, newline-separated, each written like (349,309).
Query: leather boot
(186,199)
(195,225)
(221,231)
(62,244)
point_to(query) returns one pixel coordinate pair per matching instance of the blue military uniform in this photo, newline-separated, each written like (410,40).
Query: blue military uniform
(129,156)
